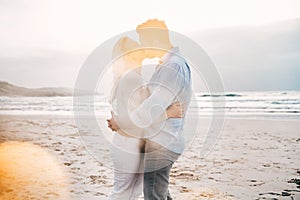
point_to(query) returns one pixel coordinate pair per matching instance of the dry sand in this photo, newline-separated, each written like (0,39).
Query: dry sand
(253,159)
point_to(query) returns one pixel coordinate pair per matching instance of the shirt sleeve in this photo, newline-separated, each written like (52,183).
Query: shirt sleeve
(166,87)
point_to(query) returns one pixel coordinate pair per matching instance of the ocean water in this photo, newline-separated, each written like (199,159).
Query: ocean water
(278,104)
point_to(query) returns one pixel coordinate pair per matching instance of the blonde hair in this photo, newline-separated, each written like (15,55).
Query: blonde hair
(123,45)
(121,62)
(120,58)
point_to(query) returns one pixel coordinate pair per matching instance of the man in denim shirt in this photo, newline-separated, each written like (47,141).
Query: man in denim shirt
(171,82)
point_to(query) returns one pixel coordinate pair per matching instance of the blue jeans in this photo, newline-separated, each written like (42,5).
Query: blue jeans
(158,162)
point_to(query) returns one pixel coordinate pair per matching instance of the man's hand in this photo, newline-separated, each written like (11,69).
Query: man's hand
(176,110)
(112,124)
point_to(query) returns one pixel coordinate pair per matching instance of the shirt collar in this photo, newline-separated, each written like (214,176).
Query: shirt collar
(168,54)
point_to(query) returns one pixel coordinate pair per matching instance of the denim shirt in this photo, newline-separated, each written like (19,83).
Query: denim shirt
(171,82)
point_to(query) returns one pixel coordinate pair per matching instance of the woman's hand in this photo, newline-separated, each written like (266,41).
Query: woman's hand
(112,123)
(175,110)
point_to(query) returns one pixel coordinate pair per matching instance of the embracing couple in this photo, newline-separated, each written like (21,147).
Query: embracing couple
(147,117)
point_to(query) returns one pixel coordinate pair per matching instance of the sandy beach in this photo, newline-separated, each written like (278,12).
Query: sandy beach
(253,159)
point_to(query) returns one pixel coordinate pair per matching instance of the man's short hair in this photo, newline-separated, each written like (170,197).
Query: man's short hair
(152,23)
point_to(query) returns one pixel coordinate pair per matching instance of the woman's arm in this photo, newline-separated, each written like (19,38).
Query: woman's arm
(112,124)
(173,111)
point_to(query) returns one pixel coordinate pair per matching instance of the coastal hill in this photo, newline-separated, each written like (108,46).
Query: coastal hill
(7,89)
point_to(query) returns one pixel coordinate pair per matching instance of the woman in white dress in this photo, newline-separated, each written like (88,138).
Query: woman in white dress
(129,92)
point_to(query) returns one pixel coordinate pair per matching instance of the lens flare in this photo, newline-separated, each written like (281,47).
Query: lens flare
(29,172)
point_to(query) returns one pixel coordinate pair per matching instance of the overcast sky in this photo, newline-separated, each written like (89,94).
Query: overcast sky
(44,43)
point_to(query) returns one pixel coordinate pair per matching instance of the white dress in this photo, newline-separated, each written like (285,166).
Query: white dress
(126,151)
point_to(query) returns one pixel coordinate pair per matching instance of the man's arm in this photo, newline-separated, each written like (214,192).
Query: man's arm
(166,88)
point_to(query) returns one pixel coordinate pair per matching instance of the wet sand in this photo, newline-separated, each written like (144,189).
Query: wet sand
(253,159)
